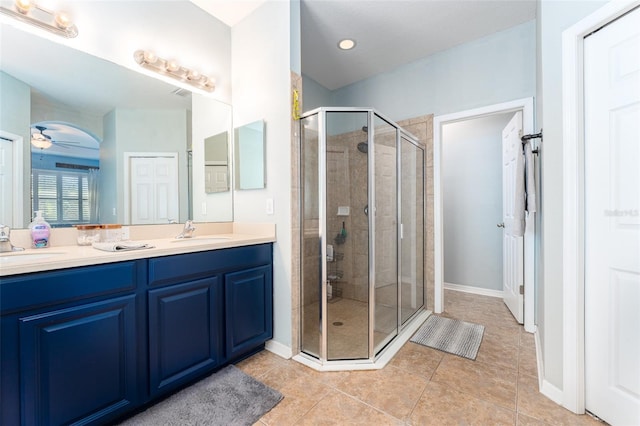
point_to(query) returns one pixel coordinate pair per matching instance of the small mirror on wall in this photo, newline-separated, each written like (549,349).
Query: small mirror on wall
(216,163)
(249,155)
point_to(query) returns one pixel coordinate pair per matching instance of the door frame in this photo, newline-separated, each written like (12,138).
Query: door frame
(526,105)
(18,177)
(573,347)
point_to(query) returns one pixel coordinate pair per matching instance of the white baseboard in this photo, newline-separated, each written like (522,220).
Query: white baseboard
(279,349)
(547,389)
(474,290)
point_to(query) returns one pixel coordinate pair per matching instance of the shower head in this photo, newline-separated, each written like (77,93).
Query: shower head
(363,147)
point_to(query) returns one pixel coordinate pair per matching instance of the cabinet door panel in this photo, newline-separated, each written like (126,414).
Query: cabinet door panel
(79,364)
(249,301)
(184,332)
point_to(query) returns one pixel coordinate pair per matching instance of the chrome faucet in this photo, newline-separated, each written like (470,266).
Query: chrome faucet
(5,240)
(187,232)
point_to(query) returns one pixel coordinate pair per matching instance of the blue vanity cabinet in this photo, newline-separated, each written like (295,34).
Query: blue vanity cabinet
(184,332)
(249,310)
(71,345)
(198,304)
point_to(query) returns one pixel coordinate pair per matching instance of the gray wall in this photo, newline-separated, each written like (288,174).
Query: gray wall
(554,17)
(128,130)
(493,69)
(472,201)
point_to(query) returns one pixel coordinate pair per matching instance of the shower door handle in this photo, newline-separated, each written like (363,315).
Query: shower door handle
(366,210)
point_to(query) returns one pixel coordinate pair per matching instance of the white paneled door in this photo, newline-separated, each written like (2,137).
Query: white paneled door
(513,241)
(154,189)
(612,221)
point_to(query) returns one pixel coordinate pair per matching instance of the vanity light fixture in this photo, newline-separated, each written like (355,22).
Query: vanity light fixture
(171,68)
(346,44)
(30,12)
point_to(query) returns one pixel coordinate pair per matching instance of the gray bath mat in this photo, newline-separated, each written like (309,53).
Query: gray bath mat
(450,335)
(228,397)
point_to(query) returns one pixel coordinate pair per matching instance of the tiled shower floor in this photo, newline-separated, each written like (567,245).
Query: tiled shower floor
(423,386)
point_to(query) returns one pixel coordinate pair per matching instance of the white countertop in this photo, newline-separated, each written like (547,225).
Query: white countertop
(68,256)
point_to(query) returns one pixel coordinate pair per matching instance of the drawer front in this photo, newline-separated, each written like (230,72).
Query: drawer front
(183,267)
(34,291)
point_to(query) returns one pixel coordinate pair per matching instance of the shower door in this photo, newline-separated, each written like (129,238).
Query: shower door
(362,242)
(384,281)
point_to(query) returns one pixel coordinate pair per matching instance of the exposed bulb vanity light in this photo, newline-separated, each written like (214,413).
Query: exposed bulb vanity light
(172,68)
(30,12)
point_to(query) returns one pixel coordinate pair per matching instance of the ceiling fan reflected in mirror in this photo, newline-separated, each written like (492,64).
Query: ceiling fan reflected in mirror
(42,140)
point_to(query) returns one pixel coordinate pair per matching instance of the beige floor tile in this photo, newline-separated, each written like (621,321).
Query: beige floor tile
(493,351)
(484,381)
(300,396)
(529,421)
(260,363)
(533,404)
(527,363)
(338,408)
(417,359)
(391,390)
(442,405)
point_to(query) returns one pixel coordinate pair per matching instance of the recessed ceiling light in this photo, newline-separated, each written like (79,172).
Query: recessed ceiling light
(347,44)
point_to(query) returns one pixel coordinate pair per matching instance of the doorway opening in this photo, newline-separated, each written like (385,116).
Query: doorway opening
(526,106)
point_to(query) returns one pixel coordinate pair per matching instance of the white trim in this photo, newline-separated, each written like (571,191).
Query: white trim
(573,206)
(474,290)
(526,106)
(546,388)
(278,348)
(18,179)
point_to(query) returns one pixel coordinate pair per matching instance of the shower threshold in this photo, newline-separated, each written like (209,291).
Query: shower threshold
(381,360)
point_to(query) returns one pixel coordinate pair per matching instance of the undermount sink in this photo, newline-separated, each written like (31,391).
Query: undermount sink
(18,257)
(200,240)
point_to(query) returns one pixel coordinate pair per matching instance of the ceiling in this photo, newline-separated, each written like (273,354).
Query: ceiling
(390,33)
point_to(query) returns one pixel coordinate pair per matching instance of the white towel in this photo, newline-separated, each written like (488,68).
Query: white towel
(518,224)
(120,246)
(530,179)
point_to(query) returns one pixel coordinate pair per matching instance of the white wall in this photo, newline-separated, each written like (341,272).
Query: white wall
(261,66)
(555,17)
(472,201)
(493,69)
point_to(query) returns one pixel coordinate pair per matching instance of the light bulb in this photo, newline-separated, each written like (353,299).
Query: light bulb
(347,44)
(63,20)
(172,66)
(193,75)
(149,57)
(24,6)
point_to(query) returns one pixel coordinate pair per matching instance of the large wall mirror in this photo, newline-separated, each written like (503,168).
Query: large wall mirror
(102,127)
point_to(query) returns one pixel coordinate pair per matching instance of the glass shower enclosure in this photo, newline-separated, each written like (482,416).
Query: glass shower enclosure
(362,234)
